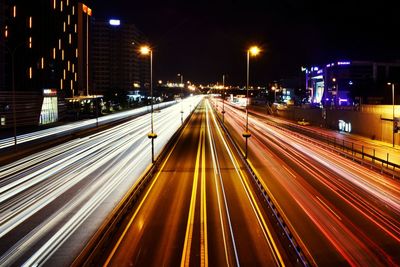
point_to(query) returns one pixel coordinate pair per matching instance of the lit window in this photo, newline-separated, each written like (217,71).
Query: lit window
(42,63)
(62,54)
(6,32)
(76,77)
(30,23)
(65,74)
(30,73)
(70,38)
(65,27)
(54,53)
(67,2)
(69,19)
(14,11)
(30,42)
(69,65)
(61,83)
(73,67)
(61,6)
(76,28)
(76,52)
(73,10)
(72,85)
(59,44)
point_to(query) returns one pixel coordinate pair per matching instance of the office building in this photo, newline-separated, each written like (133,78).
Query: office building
(346,83)
(42,40)
(117,65)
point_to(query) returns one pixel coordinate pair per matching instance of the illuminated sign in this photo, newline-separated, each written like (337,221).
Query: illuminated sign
(115,22)
(344,126)
(49,92)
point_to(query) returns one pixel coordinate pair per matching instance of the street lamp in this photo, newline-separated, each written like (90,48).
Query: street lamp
(274,89)
(394,130)
(146,50)
(223,98)
(252,51)
(12,54)
(181,84)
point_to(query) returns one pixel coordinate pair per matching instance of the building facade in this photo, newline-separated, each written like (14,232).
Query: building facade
(43,59)
(2,44)
(345,83)
(117,65)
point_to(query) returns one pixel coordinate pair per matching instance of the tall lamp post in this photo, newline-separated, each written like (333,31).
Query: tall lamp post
(181,84)
(223,98)
(252,51)
(12,54)
(146,50)
(394,122)
(274,89)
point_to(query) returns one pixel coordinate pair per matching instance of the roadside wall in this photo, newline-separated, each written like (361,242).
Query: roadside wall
(371,121)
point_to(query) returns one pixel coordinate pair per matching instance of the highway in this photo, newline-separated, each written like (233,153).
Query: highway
(52,202)
(372,147)
(199,210)
(62,130)
(343,213)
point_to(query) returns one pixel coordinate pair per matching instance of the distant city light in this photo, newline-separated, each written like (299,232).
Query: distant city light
(115,22)
(343,63)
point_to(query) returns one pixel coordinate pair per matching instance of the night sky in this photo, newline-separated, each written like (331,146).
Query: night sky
(205,39)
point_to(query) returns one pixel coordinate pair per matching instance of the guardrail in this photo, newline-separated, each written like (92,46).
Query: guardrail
(358,153)
(99,243)
(294,245)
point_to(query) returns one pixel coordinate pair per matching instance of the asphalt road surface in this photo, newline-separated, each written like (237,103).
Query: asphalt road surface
(199,210)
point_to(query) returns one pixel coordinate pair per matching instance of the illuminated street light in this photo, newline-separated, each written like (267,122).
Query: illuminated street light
(223,99)
(274,89)
(145,50)
(181,85)
(253,51)
(394,122)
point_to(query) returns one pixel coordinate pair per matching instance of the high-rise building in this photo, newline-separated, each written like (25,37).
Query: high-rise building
(43,55)
(342,83)
(3,34)
(117,65)
(84,49)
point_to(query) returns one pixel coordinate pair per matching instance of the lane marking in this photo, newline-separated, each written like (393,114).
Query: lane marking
(275,252)
(189,228)
(287,169)
(329,208)
(217,173)
(111,255)
(203,210)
